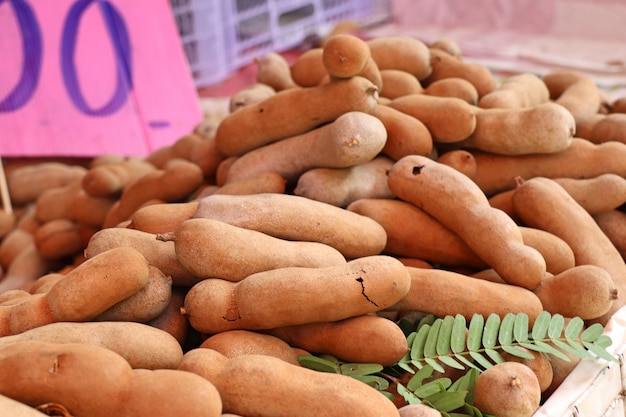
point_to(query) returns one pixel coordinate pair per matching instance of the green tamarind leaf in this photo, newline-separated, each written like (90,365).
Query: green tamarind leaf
(430,347)
(516,351)
(436,366)
(432,387)
(445,334)
(417,347)
(419,377)
(540,327)
(520,327)
(353,369)
(480,359)
(565,347)
(600,352)
(464,360)
(579,350)
(505,335)
(475,332)
(445,401)
(408,396)
(466,382)
(451,362)
(374,381)
(574,327)
(318,364)
(543,347)
(592,333)
(457,338)
(490,332)
(494,355)
(555,329)
(604,341)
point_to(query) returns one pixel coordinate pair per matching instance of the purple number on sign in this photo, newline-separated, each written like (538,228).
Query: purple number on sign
(32,50)
(121,44)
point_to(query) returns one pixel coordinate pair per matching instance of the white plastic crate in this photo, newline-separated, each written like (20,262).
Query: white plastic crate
(220,36)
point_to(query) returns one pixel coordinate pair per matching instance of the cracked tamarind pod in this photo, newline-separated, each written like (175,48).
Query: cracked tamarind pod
(297,295)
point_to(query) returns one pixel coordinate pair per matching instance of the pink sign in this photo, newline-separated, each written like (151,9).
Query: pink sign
(91,77)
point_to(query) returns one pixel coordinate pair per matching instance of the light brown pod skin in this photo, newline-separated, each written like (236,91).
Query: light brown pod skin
(517,91)
(55,373)
(449,119)
(56,203)
(13,296)
(211,248)
(361,339)
(89,210)
(613,224)
(597,195)
(460,159)
(436,243)
(110,179)
(558,255)
(345,55)
(574,90)
(7,222)
(161,218)
(445,65)
(541,365)
(146,304)
(610,127)
(265,182)
(256,385)
(443,293)
(272,119)
(199,149)
(27,182)
(398,83)
(233,343)
(586,123)
(45,282)
(353,138)
(141,345)
(342,186)
(59,238)
(453,87)
(543,128)
(26,268)
(273,69)
(405,134)
(585,291)
(171,320)
(297,218)
(402,53)
(308,69)
(17,409)
(177,181)
(365,285)
(158,253)
(418,410)
(85,292)
(457,202)
(16,241)
(544,204)
(508,389)
(583,159)
(447,45)
(251,94)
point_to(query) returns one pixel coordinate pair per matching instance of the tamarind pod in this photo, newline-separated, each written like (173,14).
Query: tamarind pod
(56,203)
(26,268)
(293,217)
(17,409)
(613,224)
(274,70)
(598,194)
(397,83)
(109,179)
(453,87)
(447,45)
(256,385)
(558,255)
(582,159)
(272,119)
(171,319)
(308,69)
(233,343)
(610,127)
(444,293)
(445,65)
(13,296)
(362,339)
(542,203)
(459,204)
(25,183)
(16,241)
(574,90)
(517,91)
(365,285)
(265,182)
(403,53)
(405,134)
(249,95)
(437,243)
(161,218)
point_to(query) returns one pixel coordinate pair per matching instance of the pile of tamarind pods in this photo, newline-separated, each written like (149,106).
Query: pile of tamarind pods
(367,180)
